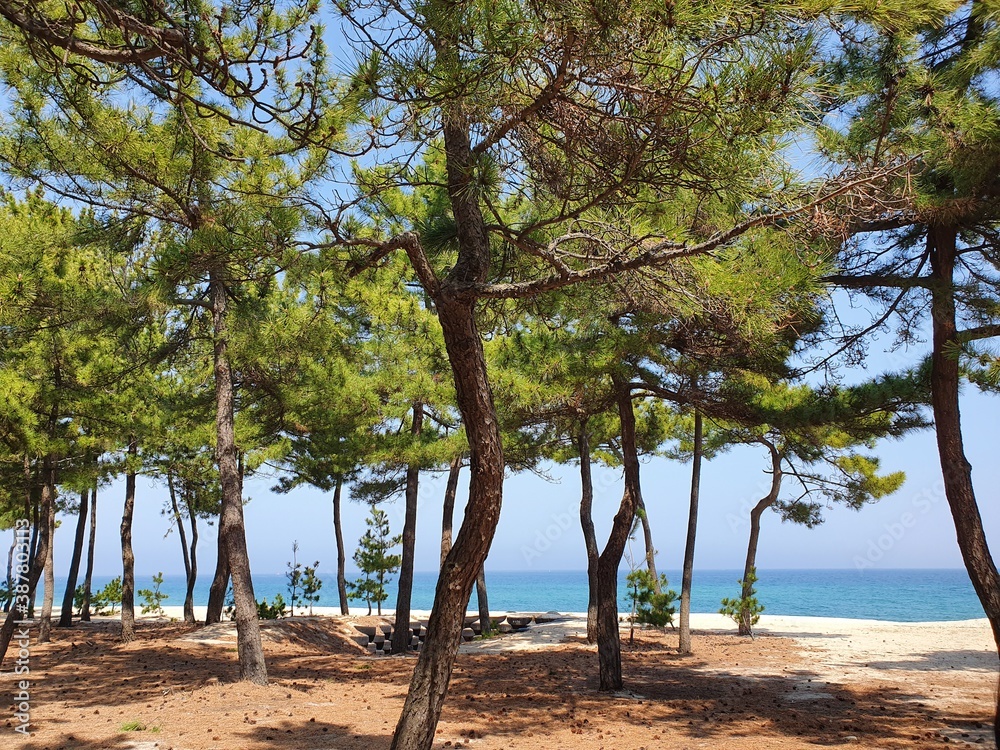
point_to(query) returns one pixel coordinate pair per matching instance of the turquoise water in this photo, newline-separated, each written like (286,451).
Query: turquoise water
(902,595)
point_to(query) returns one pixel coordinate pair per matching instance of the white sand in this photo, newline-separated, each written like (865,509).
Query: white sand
(849,649)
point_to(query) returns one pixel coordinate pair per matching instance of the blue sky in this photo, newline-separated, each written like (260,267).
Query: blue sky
(539,528)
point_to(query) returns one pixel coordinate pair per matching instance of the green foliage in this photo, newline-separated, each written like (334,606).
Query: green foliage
(651,608)
(303,583)
(265,611)
(374,560)
(107,600)
(153,598)
(273,611)
(138,726)
(745,610)
(311,584)
(294,576)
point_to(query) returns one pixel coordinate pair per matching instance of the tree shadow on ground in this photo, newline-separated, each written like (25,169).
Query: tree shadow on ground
(976,660)
(747,689)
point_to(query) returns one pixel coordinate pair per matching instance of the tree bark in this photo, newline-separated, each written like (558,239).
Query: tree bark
(404,590)
(684,646)
(745,626)
(49,519)
(66,616)
(587,524)
(43,541)
(231,526)
(647,537)
(36,530)
(128,557)
(448,511)
(10,572)
(182,534)
(482,599)
(88,578)
(609,649)
(193,577)
(956,469)
(456,312)
(220,582)
(338,532)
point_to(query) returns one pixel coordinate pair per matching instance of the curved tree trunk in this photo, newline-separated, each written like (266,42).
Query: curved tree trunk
(49,519)
(956,469)
(448,511)
(647,537)
(220,582)
(745,625)
(193,577)
(182,534)
(10,572)
(66,616)
(88,578)
(609,648)
(482,599)
(338,532)
(37,565)
(456,312)
(401,632)
(692,530)
(128,557)
(231,526)
(587,524)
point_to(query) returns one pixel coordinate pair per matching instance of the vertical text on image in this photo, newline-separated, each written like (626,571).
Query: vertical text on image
(22,641)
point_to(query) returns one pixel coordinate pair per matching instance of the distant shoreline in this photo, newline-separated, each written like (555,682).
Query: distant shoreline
(912,595)
(769,624)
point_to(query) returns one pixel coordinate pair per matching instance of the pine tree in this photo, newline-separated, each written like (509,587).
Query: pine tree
(924,245)
(375,562)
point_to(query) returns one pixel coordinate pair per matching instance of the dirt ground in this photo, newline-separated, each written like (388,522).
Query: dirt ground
(174,688)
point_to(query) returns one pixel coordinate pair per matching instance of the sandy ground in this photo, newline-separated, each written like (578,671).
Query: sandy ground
(802,683)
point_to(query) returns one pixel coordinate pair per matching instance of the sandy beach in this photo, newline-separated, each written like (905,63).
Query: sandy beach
(804,681)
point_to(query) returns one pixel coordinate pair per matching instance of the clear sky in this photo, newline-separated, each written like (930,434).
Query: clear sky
(539,526)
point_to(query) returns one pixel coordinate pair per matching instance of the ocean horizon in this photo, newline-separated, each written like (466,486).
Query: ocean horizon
(902,595)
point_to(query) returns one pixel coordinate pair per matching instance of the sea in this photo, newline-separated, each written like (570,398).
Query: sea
(875,594)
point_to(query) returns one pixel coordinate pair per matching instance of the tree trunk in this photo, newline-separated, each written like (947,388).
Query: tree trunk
(43,542)
(193,578)
(609,648)
(10,572)
(220,582)
(66,616)
(692,530)
(956,469)
(338,532)
(88,579)
(647,536)
(432,672)
(179,520)
(482,599)
(33,547)
(128,557)
(587,524)
(231,526)
(49,519)
(448,511)
(745,625)
(404,590)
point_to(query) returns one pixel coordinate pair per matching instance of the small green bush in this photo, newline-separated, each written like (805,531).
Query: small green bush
(744,610)
(651,608)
